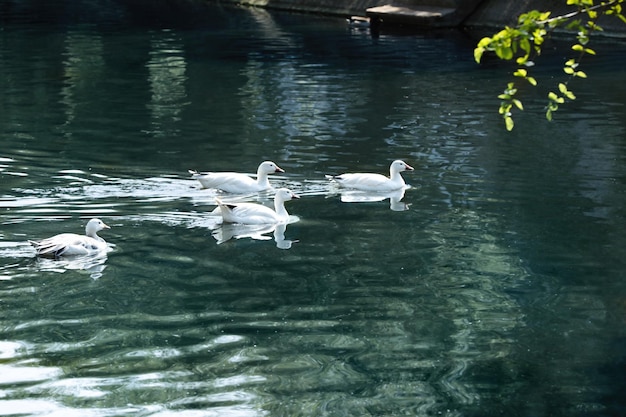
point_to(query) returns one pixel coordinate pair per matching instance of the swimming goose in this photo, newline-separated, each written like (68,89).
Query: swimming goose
(251,213)
(70,244)
(235,182)
(374,182)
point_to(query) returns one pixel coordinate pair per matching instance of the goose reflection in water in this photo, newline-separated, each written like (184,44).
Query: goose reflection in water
(395,197)
(94,265)
(228,231)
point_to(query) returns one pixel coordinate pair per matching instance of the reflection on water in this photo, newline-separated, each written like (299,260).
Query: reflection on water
(167,67)
(83,68)
(226,231)
(484,311)
(93,265)
(356,196)
(499,292)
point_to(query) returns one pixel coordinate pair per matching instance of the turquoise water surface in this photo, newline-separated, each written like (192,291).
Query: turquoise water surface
(493,286)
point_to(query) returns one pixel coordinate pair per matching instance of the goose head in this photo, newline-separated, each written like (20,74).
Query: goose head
(269,167)
(284,194)
(94,226)
(399,166)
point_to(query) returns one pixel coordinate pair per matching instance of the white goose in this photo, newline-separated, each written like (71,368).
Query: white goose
(374,182)
(235,182)
(71,244)
(251,213)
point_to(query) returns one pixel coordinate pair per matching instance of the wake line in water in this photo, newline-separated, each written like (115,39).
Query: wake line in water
(81,189)
(88,194)
(167,200)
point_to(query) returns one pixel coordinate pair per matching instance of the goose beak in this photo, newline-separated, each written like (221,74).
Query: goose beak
(279,169)
(295,196)
(409,167)
(104,226)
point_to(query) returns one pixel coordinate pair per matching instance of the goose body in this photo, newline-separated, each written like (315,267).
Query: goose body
(252,213)
(71,244)
(238,183)
(374,182)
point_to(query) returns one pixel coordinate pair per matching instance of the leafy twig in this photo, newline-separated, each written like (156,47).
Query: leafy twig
(524,41)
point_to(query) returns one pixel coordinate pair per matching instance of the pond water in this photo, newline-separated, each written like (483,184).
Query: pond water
(493,286)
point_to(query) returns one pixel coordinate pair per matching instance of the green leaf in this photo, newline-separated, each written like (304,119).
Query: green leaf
(555,98)
(524,44)
(549,115)
(484,42)
(478,54)
(508,121)
(504,96)
(590,51)
(520,73)
(562,88)
(580,74)
(518,104)
(577,47)
(568,70)
(570,95)
(504,52)
(594,26)
(532,81)
(510,89)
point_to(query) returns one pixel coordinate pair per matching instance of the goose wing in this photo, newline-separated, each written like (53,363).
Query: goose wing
(232,182)
(247,213)
(68,244)
(364,181)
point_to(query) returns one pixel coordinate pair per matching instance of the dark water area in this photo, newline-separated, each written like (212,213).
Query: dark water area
(493,286)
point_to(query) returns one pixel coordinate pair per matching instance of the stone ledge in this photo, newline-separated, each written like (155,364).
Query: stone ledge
(414,16)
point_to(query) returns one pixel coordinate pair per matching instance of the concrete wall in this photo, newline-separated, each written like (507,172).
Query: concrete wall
(498,13)
(330,7)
